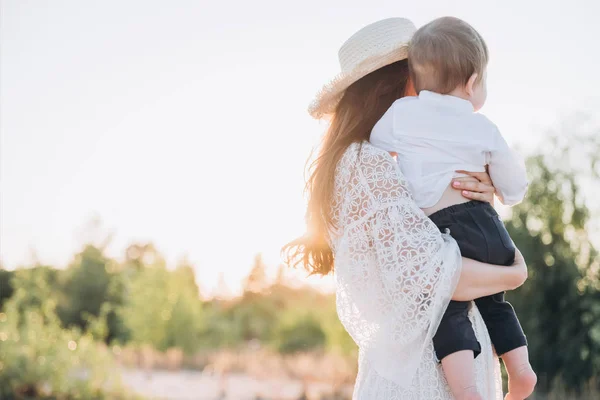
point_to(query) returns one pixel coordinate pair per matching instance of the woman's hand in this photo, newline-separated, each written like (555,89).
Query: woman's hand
(475,186)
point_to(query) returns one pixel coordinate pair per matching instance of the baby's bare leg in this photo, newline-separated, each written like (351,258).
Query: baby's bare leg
(521,378)
(460,374)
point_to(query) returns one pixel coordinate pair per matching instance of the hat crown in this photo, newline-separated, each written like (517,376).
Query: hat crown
(371,48)
(377,38)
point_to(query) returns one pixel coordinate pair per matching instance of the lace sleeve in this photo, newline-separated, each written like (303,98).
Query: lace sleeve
(418,271)
(396,273)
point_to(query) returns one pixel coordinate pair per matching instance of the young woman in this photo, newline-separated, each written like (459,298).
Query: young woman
(395,272)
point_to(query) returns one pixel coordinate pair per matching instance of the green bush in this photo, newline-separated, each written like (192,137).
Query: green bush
(6,289)
(40,359)
(255,317)
(302,334)
(163,309)
(90,283)
(338,338)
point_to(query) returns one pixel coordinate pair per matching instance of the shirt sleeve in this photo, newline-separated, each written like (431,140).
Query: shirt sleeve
(392,308)
(382,134)
(507,170)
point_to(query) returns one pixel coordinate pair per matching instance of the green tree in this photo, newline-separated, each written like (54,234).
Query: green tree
(255,317)
(163,308)
(186,322)
(301,333)
(92,284)
(38,285)
(6,289)
(41,359)
(139,255)
(147,309)
(220,329)
(558,305)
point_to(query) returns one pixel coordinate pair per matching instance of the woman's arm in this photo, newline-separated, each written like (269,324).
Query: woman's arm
(476,279)
(479,279)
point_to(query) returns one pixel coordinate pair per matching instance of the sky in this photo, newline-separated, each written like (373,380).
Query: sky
(184,123)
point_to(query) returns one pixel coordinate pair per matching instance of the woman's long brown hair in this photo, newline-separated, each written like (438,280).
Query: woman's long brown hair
(362,105)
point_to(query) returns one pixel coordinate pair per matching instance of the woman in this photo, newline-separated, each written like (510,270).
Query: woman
(395,272)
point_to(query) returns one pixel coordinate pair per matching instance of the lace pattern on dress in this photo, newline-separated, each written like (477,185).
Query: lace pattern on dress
(395,275)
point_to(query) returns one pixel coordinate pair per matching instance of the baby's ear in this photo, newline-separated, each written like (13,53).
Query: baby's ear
(470,87)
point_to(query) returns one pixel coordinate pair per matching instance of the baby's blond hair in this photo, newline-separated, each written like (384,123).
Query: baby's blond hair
(444,54)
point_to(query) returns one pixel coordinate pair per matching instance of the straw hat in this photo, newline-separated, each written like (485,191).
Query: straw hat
(374,46)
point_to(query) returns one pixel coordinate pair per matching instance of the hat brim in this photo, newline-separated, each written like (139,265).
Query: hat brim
(329,96)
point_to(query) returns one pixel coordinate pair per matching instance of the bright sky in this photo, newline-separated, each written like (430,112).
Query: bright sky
(184,123)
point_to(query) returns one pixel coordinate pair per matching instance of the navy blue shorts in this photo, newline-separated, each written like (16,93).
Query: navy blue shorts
(481,236)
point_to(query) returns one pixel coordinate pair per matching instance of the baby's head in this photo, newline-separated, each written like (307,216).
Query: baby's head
(448,56)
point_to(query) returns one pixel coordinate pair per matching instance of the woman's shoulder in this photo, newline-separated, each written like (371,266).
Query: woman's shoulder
(373,162)
(364,154)
(374,170)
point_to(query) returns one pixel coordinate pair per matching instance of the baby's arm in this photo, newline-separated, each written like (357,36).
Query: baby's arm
(507,170)
(384,140)
(383,135)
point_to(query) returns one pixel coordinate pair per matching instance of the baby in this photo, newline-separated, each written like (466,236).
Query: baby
(435,135)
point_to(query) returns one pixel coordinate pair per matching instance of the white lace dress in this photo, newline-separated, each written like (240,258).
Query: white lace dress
(395,275)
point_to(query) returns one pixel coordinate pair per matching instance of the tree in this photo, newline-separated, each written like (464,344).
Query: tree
(256,281)
(6,289)
(36,287)
(303,333)
(163,308)
(91,282)
(186,322)
(558,305)
(255,316)
(186,274)
(147,308)
(38,357)
(139,255)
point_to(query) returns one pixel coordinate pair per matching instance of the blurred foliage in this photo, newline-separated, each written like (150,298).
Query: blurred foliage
(163,308)
(6,289)
(41,359)
(559,305)
(90,283)
(54,323)
(300,334)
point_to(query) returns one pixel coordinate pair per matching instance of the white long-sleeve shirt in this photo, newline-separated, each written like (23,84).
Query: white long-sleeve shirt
(435,135)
